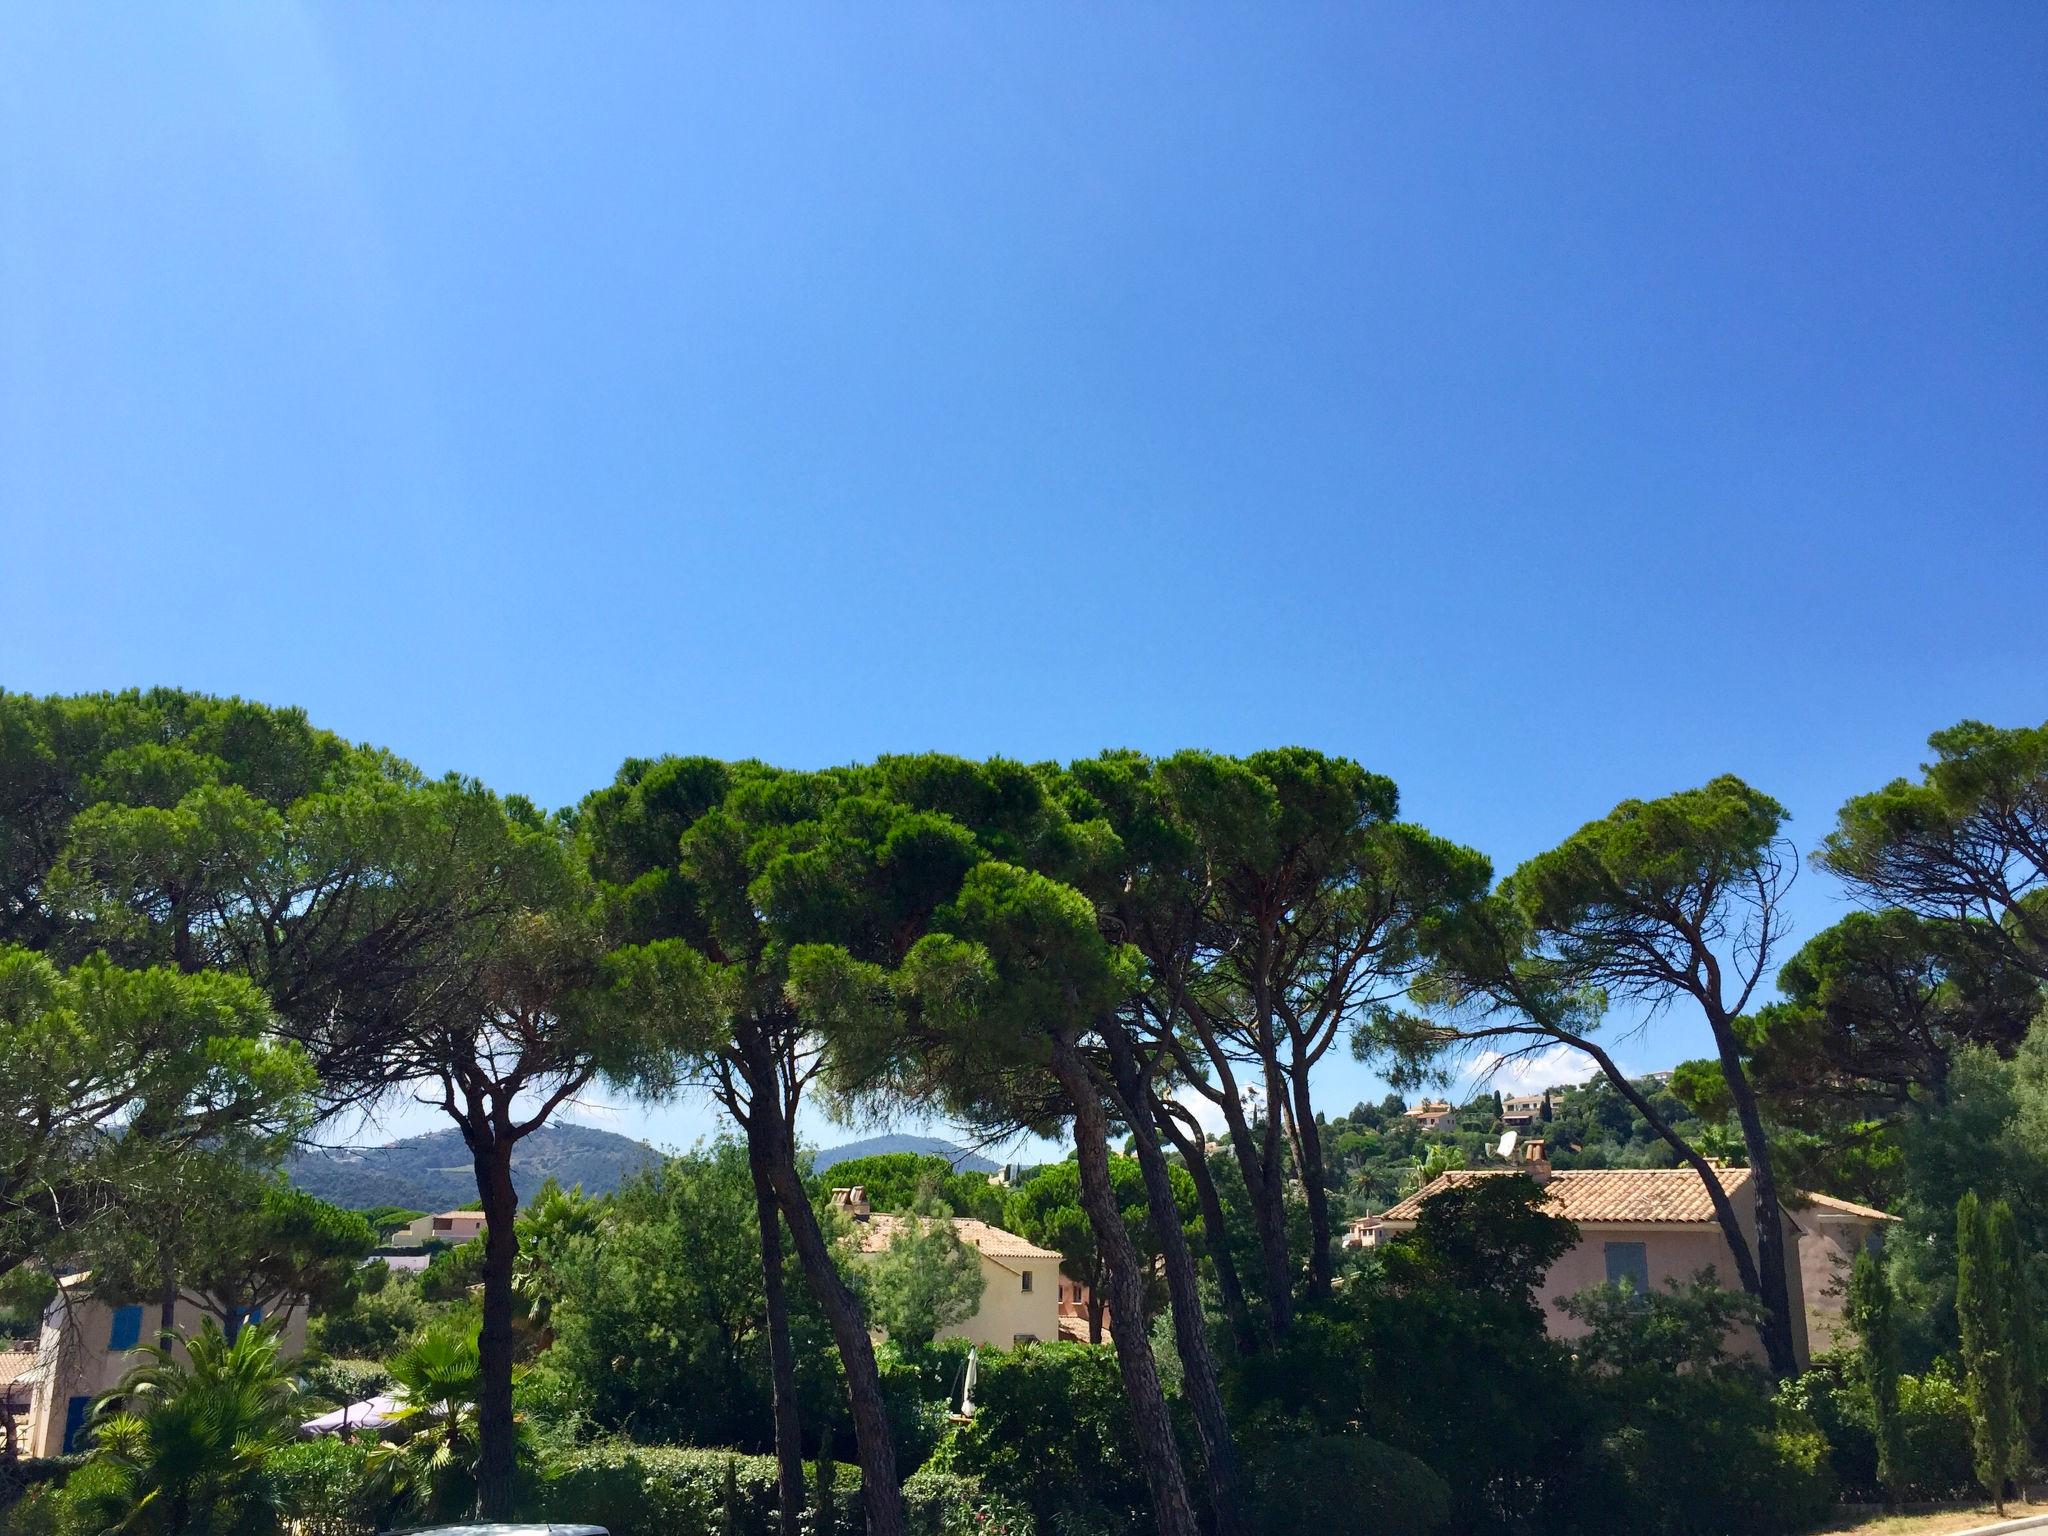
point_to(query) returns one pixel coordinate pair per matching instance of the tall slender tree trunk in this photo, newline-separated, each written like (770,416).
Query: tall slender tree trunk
(166,1296)
(1269,1219)
(1172,1513)
(497,1446)
(1194,1155)
(789,1450)
(1308,1143)
(1190,1326)
(843,1314)
(1770,1221)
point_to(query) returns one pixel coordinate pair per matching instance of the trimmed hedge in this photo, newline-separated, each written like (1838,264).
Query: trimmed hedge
(1331,1484)
(638,1490)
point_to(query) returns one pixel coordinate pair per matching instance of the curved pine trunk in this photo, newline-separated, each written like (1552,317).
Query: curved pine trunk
(877,1452)
(1194,1155)
(1190,1325)
(1172,1513)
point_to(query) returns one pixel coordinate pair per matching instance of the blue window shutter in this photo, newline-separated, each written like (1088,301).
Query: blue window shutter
(74,1421)
(1630,1262)
(127,1330)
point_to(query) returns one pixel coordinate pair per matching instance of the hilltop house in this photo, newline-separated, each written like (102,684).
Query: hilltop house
(88,1344)
(1521,1110)
(1021,1295)
(1431,1115)
(451,1227)
(1652,1225)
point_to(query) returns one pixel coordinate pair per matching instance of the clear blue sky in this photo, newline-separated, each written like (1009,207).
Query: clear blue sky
(1543,404)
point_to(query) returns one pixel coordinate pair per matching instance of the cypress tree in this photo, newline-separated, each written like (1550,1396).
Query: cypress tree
(1877,1325)
(828,1476)
(1984,1296)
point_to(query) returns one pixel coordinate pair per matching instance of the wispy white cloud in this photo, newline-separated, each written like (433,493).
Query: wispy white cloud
(1551,1067)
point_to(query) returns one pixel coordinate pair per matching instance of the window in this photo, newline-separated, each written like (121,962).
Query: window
(1027,1279)
(74,1422)
(127,1329)
(1630,1262)
(1022,1338)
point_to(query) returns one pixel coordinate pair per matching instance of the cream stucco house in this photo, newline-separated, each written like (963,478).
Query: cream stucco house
(449,1227)
(1020,1299)
(1654,1225)
(87,1345)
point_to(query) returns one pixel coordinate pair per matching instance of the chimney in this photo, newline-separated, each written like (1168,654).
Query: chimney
(853,1201)
(1534,1163)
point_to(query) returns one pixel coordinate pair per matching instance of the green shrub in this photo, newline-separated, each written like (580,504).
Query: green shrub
(1833,1396)
(937,1503)
(675,1491)
(1052,1431)
(320,1487)
(1333,1485)
(1711,1458)
(1935,1455)
(93,1498)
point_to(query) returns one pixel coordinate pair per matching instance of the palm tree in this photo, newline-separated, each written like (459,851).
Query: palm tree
(431,1465)
(185,1439)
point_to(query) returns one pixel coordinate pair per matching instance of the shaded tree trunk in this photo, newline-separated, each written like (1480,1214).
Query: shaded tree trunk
(1190,1326)
(497,1447)
(789,1463)
(1308,1143)
(1194,1155)
(877,1452)
(1172,1513)
(1770,1221)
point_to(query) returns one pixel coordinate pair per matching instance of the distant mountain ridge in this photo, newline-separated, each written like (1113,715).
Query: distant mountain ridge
(434,1172)
(929,1146)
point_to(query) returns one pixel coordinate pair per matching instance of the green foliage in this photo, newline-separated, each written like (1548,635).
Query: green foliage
(674,1491)
(1873,1313)
(1435,1345)
(323,1487)
(375,1323)
(1052,1431)
(329,1383)
(427,1465)
(108,1077)
(179,1445)
(897,1181)
(451,1273)
(660,1320)
(1339,1484)
(1046,1209)
(1987,1284)
(938,1503)
(925,1280)
(1932,1456)
(1962,845)
(1681,1329)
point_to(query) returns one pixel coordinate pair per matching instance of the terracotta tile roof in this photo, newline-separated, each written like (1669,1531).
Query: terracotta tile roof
(15,1364)
(1602,1194)
(1846,1207)
(880,1229)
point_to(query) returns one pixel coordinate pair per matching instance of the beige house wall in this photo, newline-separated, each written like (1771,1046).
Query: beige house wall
(1672,1251)
(74,1359)
(1827,1251)
(1008,1310)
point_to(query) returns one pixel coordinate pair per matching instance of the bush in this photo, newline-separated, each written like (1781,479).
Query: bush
(1710,1457)
(1052,1431)
(675,1491)
(1331,1485)
(94,1497)
(1935,1454)
(319,1486)
(939,1503)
